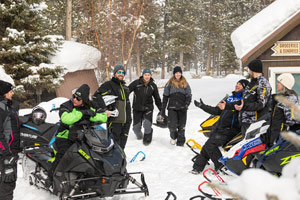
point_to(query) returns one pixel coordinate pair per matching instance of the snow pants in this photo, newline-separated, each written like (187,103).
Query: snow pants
(120,133)
(210,150)
(6,189)
(176,125)
(142,118)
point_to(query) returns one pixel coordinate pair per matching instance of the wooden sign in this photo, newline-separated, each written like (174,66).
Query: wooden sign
(286,48)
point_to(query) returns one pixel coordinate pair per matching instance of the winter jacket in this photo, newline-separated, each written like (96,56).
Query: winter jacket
(228,118)
(256,97)
(143,95)
(117,88)
(176,98)
(70,115)
(9,127)
(282,117)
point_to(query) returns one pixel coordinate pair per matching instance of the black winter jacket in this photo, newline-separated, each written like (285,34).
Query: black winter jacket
(9,127)
(228,118)
(256,97)
(143,95)
(117,88)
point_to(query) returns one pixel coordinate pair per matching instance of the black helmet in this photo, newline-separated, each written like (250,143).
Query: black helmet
(38,115)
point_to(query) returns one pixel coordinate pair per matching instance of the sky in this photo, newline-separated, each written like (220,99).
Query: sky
(167,167)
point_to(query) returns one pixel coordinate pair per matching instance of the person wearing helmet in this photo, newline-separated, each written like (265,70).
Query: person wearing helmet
(76,109)
(9,140)
(227,127)
(144,90)
(282,116)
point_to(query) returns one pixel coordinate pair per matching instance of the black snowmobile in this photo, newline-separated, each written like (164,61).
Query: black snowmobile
(92,167)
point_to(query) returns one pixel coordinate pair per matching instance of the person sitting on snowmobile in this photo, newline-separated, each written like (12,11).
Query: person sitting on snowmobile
(144,90)
(256,98)
(282,116)
(227,127)
(71,112)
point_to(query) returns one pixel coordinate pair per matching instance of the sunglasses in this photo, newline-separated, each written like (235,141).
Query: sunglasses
(76,97)
(119,72)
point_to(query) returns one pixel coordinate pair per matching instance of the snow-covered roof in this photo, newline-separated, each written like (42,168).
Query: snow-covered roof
(75,56)
(4,76)
(250,34)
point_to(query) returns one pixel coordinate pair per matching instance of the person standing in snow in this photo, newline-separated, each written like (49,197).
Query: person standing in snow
(177,97)
(283,116)
(116,86)
(71,113)
(227,127)
(144,90)
(9,141)
(256,98)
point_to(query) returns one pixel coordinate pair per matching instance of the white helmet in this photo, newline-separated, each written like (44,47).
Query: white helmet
(287,80)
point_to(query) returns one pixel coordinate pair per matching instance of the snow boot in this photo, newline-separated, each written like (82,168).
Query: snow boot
(147,138)
(195,171)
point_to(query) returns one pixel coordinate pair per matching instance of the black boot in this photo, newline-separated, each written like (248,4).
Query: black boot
(147,138)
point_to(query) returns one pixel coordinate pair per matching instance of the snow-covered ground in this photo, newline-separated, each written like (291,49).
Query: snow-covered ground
(167,167)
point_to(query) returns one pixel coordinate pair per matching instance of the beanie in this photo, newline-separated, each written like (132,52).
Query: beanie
(118,67)
(5,87)
(177,69)
(147,70)
(84,92)
(255,66)
(287,80)
(243,82)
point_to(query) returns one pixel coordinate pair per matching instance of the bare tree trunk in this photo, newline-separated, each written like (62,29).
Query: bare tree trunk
(108,37)
(138,59)
(130,69)
(196,66)
(69,20)
(181,59)
(163,64)
(208,61)
(213,62)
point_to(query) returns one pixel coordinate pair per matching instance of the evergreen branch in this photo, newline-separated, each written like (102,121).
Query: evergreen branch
(227,191)
(290,104)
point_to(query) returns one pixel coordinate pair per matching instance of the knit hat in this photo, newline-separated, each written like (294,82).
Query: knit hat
(5,87)
(118,67)
(287,80)
(83,92)
(255,66)
(243,82)
(147,70)
(177,69)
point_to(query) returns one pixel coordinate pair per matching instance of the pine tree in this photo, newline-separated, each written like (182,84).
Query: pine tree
(25,46)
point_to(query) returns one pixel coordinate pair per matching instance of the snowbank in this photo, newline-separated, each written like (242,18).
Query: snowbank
(4,76)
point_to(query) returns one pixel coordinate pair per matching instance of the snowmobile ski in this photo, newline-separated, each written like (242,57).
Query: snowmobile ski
(169,195)
(217,196)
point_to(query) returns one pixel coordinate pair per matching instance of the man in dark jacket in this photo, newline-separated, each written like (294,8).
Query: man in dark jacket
(256,98)
(226,129)
(116,86)
(144,90)
(9,141)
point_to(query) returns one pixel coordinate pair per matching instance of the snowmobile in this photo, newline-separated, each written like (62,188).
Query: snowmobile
(276,157)
(241,155)
(92,167)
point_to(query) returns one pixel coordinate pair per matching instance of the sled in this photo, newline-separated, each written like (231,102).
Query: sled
(209,125)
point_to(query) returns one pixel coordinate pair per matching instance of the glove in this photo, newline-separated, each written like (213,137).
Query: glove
(198,103)
(9,171)
(88,113)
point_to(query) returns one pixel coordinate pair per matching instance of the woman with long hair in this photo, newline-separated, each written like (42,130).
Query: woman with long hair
(177,97)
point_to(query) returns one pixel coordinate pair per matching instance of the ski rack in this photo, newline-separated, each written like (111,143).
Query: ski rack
(197,145)
(134,157)
(171,194)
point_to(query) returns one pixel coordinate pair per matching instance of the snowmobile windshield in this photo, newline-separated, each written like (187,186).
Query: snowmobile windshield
(98,139)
